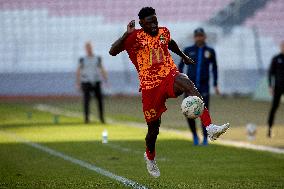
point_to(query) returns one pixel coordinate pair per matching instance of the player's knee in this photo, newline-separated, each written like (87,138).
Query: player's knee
(184,81)
(155,132)
(153,128)
(182,75)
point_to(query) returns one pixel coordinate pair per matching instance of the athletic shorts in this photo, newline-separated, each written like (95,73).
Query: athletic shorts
(154,99)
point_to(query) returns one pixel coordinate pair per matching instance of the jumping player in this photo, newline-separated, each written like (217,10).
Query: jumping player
(159,77)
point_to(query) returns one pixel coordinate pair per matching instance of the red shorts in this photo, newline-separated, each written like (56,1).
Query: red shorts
(154,99)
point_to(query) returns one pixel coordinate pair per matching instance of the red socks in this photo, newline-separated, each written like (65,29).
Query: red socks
(205,118)
(151,156)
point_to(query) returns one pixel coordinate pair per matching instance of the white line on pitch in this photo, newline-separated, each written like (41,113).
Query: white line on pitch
(59,111)
(238,144)
(92,167)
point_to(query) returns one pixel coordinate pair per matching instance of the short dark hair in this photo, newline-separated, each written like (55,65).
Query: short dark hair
(199,31)
(146,11)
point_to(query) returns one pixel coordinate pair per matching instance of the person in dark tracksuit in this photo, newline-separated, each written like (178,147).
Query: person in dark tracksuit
(276,85)
(205,61)
(90,73)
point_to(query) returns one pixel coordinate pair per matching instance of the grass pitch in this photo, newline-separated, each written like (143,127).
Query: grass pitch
(181,164)
(238,111)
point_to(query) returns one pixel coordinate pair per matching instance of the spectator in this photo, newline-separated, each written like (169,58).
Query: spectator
(205,58)
(90,73)
(276,84)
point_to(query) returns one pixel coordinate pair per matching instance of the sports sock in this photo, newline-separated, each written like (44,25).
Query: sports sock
(205,118)
(150,155)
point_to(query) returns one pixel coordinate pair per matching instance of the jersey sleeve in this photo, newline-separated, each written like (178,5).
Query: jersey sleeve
(167,34)
(130,41)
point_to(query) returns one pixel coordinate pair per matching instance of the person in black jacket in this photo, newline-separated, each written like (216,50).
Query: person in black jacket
(276,84)
(199,73)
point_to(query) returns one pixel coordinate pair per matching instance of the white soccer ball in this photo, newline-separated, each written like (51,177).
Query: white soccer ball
(192,107)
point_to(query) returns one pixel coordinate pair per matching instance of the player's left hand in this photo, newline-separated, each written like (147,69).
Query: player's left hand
(188,60)
(217,91)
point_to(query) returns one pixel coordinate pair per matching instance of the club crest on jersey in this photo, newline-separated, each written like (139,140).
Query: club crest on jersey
(207,54)
(162,39)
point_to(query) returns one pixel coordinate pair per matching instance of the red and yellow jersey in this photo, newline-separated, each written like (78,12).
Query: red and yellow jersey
(150,55)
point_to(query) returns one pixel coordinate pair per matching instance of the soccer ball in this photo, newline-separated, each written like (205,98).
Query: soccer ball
(192,107)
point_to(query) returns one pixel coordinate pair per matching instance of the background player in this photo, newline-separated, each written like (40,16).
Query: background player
(276,84)
(89,77)
(199,74)
(148,48)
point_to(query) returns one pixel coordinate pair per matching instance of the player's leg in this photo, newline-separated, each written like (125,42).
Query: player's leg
(151,137)
(86,88)
(184,84)
(153,101)
(206,103)
(99,96)
(192,127)
(274,107)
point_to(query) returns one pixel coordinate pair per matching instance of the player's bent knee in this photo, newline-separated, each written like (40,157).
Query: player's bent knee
(183,75)
(153,128)
(153,132)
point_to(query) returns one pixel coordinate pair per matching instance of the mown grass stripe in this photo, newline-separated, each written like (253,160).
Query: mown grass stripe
(92,167)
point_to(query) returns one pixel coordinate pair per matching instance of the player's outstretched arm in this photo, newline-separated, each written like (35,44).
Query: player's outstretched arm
(118,46)
(174,48)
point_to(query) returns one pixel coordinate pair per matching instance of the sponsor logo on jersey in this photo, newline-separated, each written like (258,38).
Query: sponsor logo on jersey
(207,54)
(162,39)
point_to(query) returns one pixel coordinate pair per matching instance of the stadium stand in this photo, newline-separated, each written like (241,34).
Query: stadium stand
(269,20)
(47,37)
(121,11)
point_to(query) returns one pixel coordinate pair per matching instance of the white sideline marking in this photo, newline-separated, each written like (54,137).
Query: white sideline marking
(56,110)
(238,144)
(59,111)
(73,160)
(250,146)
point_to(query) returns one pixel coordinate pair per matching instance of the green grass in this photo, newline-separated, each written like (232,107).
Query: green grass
(238,111)
(181,164)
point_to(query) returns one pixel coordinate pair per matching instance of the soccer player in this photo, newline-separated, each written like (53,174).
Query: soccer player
(159,77)
(199,74)
(90,73)
(276,84)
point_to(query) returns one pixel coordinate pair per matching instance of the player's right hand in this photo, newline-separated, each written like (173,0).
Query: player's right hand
(131,26)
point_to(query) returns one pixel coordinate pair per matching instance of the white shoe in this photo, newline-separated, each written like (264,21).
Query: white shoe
(152,167)
(214,131)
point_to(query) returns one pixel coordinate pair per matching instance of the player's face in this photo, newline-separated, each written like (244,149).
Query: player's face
(89,49)
(200,39)
(150,25)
